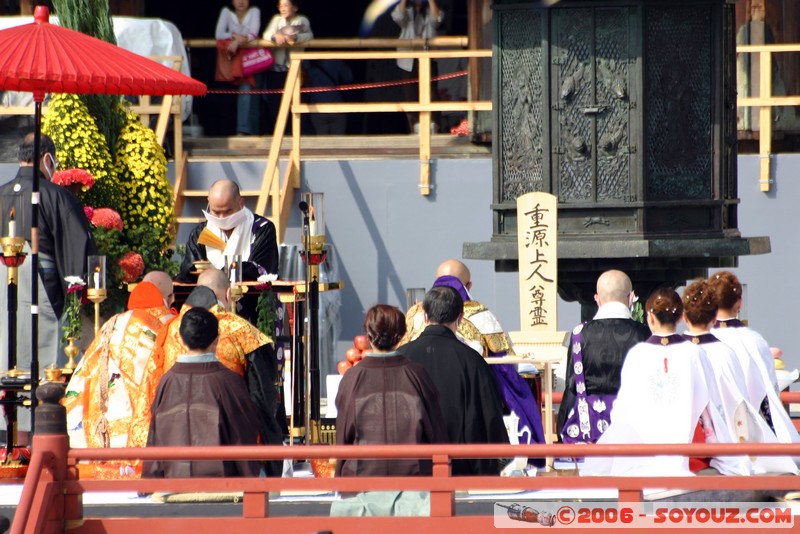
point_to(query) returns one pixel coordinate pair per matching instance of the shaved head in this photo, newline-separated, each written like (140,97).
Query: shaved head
(163,282)
(224,198)
(455,268)
(613,286)
(217,281)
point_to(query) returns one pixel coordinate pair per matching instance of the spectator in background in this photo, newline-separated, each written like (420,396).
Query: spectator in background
(241,26)
(285,29)
(327,73)
(418,19)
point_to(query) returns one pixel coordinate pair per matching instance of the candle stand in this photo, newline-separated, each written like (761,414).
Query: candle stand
(16,381)
(97,296)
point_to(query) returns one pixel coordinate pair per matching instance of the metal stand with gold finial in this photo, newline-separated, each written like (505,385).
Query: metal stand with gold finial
(12,258)
(314,243)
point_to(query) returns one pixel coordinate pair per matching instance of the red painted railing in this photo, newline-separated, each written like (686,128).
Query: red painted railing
(52,495)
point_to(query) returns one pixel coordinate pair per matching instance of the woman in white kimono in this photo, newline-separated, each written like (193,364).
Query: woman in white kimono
(664,393)
(742,418)
(753,353)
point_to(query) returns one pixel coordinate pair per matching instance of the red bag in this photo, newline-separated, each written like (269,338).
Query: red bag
(229,69)
(255,60)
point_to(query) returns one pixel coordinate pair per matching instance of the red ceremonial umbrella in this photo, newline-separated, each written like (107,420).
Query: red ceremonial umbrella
(44,58)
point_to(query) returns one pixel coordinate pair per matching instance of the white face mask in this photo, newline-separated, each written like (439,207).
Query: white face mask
(50,166)
(229,222)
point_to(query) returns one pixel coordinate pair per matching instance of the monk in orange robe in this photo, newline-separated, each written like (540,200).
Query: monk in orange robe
(100,398)
(242,348)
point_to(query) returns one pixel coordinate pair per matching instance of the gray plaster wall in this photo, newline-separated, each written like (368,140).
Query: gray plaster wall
(772,283)
(387,237)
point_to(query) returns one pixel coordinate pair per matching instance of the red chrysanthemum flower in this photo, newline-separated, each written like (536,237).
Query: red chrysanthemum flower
(89,212)
(107,218)
(132,266)
(74,288)
(69,177)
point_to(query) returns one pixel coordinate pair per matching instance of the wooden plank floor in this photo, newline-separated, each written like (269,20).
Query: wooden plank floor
(337,147)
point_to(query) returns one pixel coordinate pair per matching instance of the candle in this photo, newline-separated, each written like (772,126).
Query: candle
(233,275)
(312,221)
(12,224)
(97,278)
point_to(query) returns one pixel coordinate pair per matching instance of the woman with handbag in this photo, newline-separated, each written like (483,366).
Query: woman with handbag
(664,394)
(236,28)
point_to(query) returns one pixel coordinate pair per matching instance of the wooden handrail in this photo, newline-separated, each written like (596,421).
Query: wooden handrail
(765,102)
(280,192)
(451,451)
(52,500)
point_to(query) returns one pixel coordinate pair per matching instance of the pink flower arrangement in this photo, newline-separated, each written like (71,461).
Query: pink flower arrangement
(70,177)
(132,266)
(89,212)
(107,218)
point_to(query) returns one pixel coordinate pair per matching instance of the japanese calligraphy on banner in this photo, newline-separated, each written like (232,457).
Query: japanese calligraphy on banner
(537,221)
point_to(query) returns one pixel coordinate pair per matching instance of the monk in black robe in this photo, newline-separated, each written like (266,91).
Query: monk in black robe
(200,402)
(242,232)
(468,394)
(65,241)
(606,340)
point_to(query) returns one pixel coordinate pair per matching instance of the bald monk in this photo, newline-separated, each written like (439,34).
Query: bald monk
(241,347)
(244,233)
(163,282)
(605,341)
(481,330)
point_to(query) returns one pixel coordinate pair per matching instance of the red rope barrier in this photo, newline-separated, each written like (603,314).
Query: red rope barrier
(346,87)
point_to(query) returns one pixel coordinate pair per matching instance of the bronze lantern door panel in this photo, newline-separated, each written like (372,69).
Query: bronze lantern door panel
(593,53)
